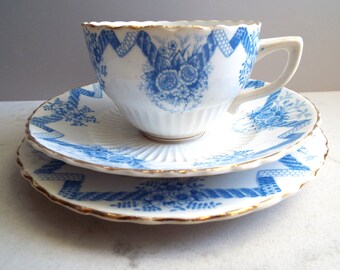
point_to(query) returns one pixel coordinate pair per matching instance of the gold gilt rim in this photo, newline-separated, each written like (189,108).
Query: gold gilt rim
(171,25)
(149,220)
(172,172)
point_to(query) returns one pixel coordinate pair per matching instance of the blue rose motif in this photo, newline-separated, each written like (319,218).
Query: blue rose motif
(175,63)
(182,93)
(188,74)
(177,79)
(276,115)
(167,80)
(271,116)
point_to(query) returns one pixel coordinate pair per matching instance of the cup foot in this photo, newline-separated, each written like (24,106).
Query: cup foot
(172,140)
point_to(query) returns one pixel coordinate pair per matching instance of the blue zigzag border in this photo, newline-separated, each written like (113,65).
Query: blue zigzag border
(114,155)
(216,39)
(171,194)
(96,151)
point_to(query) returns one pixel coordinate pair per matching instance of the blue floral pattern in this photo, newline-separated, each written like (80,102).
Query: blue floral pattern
(176,80)
(280,110)
(173,194)
(175,75)
(231,158)
(168,194)
(97,153)
(289,116)
(76,115)
(69,113)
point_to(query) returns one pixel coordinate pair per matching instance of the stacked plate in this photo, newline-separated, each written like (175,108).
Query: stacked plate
(82,154)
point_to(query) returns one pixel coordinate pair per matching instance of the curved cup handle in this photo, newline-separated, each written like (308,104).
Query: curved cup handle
(293,45)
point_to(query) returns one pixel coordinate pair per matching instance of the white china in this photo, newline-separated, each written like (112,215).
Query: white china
(81,127)
(174,80)
(178,200)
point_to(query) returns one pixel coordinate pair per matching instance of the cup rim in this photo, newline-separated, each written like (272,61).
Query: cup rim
(200,24)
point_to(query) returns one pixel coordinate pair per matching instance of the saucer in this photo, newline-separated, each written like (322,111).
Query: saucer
(84,128)
(176,200)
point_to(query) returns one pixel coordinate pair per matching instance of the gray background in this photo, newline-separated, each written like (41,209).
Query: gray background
(43,52)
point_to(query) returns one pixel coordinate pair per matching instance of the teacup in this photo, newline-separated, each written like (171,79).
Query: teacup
(174,80)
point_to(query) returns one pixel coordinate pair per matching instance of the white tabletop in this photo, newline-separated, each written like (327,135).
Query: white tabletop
(302,232)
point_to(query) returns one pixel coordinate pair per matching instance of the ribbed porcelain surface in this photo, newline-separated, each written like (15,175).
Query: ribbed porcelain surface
(179,201)
(84,128)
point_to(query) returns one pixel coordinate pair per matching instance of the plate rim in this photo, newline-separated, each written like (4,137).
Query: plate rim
(235,213)
(154,173)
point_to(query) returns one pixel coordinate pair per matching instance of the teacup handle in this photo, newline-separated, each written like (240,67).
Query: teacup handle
(293,45)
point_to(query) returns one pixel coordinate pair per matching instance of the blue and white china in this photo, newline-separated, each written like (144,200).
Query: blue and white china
(174,80)
(174,200)
(83,128)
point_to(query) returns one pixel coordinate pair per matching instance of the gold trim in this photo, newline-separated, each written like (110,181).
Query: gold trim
(172,140)
(170,173)
(147,220)
(196,24)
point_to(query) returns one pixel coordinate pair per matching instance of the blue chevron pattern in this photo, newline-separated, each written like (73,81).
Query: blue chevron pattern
(70,112)
(169,194)
(278,111)
(174,78)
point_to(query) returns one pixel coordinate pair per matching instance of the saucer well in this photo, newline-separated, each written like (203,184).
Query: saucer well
(172,200)
(84,128)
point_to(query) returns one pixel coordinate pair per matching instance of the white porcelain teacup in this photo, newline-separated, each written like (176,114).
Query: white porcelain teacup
(173,80)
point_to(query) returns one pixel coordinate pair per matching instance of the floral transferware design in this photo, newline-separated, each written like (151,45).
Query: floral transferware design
(169,194)
(65,126)
(176,80)
(280,110)
(68,112)
(72,113)
(176,73)
(194,199)
(283,111)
